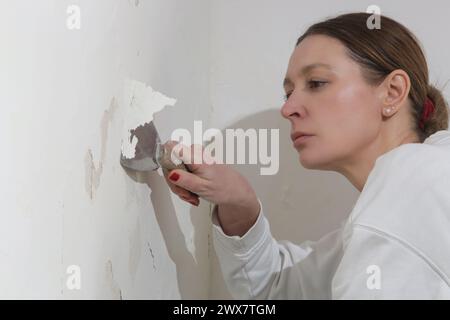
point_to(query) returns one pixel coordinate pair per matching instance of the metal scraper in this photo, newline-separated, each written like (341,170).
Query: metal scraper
(150,154)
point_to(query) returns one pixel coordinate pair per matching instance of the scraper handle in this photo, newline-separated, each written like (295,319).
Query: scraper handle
(167,165)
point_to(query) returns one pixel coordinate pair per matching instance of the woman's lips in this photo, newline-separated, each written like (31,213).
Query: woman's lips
(302,139)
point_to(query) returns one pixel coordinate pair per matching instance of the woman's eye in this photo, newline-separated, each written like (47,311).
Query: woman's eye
(287,95)
(314,84)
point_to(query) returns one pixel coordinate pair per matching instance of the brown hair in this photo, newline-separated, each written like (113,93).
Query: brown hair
(381,51)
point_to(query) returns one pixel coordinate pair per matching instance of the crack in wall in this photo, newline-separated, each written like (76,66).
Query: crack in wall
(113,286)
(153,257)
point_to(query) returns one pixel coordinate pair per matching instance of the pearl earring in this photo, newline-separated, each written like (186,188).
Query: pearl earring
(389,110)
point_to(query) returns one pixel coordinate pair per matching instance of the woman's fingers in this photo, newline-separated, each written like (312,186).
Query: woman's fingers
(194,202)
(187,180)
(191,156)
(182,193)
(214,182)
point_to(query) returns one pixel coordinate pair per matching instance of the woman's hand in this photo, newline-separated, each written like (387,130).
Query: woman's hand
(217,183)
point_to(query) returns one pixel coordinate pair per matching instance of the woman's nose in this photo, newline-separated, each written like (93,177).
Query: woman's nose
(289,109)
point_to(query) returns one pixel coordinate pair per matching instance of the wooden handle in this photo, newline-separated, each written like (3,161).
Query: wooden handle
(167,164)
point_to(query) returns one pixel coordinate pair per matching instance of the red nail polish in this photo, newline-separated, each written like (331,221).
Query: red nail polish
(174,176)
(193,203)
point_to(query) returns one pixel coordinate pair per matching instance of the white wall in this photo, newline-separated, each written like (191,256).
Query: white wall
(251,42)
(65,198)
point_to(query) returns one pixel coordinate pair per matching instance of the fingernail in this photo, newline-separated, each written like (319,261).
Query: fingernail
(174,176)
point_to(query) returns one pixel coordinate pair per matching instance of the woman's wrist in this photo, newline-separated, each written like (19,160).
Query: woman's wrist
(237,219)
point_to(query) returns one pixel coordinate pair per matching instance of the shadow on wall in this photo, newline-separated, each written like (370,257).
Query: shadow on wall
(299,204)
(173,236)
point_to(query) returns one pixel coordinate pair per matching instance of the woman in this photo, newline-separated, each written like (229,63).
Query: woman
(364,99)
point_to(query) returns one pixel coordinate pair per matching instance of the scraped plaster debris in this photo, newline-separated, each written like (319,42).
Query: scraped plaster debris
(143,102)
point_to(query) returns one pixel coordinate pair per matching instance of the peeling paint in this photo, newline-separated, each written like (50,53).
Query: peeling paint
(114,287)
(93,173)
(142,103)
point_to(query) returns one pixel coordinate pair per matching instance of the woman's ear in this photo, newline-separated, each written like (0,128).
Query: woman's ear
(394,90)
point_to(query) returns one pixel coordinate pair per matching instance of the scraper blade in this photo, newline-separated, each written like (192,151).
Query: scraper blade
(150,154)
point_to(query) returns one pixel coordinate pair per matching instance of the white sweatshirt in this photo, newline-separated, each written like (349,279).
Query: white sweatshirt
(395,244)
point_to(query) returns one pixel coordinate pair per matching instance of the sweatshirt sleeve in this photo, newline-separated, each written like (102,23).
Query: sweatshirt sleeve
(256,266)
(377,265)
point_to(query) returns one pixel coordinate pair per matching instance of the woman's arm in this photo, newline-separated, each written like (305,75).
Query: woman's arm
(256,266)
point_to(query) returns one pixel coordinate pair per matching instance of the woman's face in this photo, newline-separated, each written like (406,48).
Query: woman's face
(329,99)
